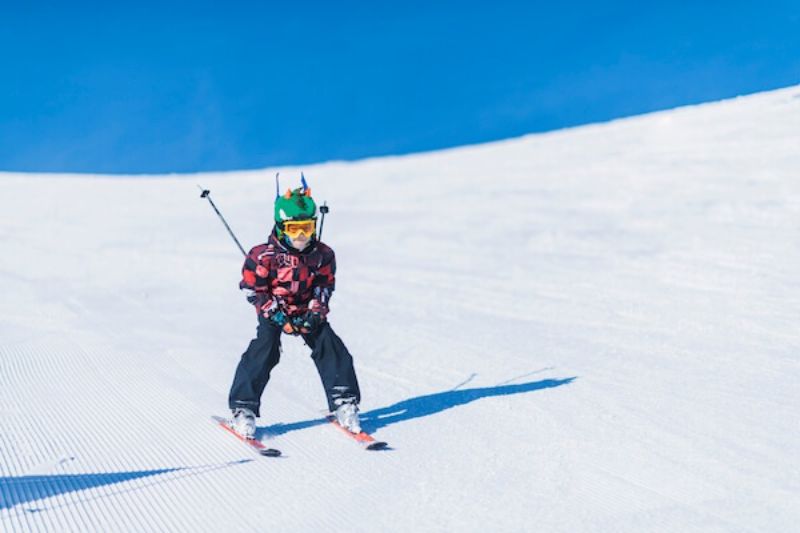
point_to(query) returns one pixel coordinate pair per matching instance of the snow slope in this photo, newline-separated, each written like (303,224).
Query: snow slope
(588,330)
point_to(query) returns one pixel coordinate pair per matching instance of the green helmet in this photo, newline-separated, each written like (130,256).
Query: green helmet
(295,205)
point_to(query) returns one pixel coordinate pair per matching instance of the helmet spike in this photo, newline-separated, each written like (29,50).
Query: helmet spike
(277,186)
(288,193)
(303,181)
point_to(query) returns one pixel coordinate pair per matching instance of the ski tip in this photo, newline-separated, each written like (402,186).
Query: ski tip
(378,445)
(270,452)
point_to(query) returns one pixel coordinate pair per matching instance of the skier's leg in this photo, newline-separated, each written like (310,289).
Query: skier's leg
(257,362)
(335,366)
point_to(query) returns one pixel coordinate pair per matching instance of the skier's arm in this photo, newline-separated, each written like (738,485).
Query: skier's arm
(255,279)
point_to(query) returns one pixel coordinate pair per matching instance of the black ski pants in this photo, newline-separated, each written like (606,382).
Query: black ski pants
(334,364)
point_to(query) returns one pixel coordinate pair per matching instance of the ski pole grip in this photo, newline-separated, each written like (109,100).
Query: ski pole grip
(324,210)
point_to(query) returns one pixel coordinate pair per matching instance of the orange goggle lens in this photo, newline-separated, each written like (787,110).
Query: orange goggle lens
(293,228)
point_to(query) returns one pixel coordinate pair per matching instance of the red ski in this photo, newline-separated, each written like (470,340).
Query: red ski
(256,445)
(364,439)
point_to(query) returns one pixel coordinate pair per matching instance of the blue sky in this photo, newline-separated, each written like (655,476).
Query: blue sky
(119,87)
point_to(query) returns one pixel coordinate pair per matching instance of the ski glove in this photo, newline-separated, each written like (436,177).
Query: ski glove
(282,321)
(318,307)
(310,322)
(298,325)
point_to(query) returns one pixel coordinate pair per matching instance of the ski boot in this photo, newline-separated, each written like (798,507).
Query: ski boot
(347,417)
(244,422)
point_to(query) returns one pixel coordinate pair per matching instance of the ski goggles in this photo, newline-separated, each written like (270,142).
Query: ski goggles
(293,228)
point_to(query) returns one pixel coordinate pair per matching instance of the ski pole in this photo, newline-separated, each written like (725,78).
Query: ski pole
(207,195)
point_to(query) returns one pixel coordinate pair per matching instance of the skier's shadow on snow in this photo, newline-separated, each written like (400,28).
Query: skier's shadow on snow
(16,490)
(427,405)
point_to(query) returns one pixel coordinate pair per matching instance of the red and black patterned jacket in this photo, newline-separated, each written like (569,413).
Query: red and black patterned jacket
(293,279)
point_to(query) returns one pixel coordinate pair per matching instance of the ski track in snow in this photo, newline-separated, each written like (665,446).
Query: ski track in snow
(587,330)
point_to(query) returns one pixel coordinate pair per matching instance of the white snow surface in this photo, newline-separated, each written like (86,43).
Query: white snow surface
(594,329)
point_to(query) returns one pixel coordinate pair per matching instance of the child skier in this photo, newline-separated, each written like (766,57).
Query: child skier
(290,280)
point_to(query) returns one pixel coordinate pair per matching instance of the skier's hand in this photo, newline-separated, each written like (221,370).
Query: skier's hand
(271,310)
(289,325)
(280,319)
(316,306)
(274,311)
(309,322)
